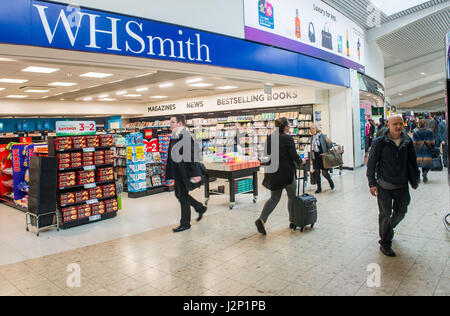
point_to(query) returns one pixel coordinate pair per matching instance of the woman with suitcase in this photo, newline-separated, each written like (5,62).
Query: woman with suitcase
(284,177)
(320,144)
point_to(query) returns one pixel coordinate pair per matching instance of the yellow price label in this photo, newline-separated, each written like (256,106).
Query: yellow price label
(130,153)
(140,155)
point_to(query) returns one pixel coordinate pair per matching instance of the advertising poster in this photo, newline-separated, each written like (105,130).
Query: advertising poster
(309,27)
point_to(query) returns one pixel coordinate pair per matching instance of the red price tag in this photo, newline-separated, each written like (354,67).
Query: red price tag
(152,146)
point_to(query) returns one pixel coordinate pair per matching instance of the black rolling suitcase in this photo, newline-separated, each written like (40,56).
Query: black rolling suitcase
(304,210)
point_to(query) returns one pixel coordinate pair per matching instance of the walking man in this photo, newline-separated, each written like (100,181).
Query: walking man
(392,164)
(185,169)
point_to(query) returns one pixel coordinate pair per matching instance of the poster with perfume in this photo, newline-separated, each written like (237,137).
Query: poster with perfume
(309,27)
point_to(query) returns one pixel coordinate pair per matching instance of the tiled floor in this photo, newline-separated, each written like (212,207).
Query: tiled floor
(137,254)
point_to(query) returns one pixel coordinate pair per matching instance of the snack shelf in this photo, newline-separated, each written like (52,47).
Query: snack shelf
(83,208)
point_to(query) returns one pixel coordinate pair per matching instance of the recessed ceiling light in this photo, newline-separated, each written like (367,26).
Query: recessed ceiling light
(7,80)
(269,84)
(6,59)
(108,100)
(423,74)
(201,85)
(227,87)
(121,92)
(440,82)
(96,75)
(17,96)
(141,89)
(166,85)
(36,91)
(400,94)
(43,70)
(87,99)
(194,80)
(1,89)
(159,97)
(103,96)
(63,84)
(133,95)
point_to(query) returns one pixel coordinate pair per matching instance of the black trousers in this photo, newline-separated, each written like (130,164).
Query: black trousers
(186,201)
(393,206)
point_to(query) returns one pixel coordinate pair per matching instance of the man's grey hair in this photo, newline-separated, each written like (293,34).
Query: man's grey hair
(395,116)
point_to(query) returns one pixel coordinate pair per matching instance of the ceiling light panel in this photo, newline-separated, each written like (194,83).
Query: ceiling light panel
(121,92)
(141,89)
(17,96)
(159,97)
(133,95)
(8,80)
(97,75)
(36,91)
(227,87)
(166,85)
(42,70)
(201,85)
(194,80)
(63,84)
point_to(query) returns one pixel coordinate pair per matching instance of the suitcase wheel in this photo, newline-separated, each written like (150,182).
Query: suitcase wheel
(292,226)
(312,226)
(301,229)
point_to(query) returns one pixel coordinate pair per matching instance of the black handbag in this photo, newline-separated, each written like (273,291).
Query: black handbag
(312,34)
(327,38)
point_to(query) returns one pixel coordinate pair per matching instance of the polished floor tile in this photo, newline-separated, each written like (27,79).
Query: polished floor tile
(136,253)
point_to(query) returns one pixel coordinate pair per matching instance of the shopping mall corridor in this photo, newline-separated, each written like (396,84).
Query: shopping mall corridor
(224,255)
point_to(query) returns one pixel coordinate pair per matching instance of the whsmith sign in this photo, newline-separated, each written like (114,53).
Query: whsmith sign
(48,24)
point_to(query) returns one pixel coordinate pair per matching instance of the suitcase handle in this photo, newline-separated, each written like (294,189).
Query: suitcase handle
(305,178)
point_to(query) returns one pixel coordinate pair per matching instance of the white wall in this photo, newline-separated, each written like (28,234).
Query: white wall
(374,62)
(344,111)
(323,107)
(217,16)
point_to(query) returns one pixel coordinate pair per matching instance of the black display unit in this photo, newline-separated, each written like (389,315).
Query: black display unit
(65,224)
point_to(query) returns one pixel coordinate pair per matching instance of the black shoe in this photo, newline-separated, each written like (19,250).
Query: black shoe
(260,226)
(181,229)
(387,251)
(318,191)
(200,214)
(332,185)
(425,179)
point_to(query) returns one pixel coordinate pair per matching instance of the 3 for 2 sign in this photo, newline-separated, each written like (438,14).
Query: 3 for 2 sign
(74,128)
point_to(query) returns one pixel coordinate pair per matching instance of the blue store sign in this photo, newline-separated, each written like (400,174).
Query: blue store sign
(48,24)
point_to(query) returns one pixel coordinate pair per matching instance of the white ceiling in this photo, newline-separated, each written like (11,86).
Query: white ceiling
(122,79)
(413,46)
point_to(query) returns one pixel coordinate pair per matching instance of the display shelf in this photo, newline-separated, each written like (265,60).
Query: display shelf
(89,211)
(88,220)
(86,149)
(88,202)
(87,168)
(86,186)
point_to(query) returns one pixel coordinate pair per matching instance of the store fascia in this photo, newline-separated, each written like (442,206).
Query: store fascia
(47,29)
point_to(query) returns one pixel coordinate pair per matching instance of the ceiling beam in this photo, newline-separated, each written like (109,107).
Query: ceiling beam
(419,94)
(390,27)
(415,84)
(436,98)
(437,56)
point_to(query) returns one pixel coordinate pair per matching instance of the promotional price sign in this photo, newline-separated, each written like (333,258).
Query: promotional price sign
(74,128)
(152,146)
(140,155)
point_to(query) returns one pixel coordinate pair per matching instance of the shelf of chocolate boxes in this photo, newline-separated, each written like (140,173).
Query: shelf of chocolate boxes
(90,161)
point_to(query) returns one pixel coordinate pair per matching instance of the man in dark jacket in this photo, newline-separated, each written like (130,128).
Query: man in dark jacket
(442,140)
(392,164)
(432,124)
(183,166)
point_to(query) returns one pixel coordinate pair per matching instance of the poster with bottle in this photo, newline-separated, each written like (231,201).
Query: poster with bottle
(331,36)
